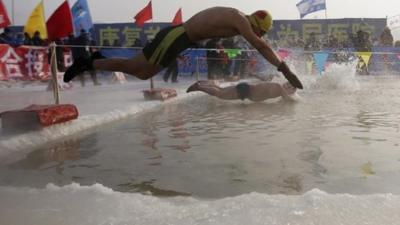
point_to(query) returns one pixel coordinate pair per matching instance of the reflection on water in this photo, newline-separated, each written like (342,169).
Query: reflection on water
(337,141)
(148,187)
(55,156)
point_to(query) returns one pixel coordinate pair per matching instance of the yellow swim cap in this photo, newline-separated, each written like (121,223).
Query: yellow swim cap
(261,19)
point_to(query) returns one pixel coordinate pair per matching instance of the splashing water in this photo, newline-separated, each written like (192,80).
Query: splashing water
(336,77)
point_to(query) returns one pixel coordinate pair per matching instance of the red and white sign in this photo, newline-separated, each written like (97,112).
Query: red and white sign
(23,63)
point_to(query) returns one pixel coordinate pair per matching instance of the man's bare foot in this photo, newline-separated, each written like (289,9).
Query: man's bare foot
(193,87)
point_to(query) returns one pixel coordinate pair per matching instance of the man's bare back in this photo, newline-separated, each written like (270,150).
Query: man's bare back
(213,22)
(228,22)
(266,90)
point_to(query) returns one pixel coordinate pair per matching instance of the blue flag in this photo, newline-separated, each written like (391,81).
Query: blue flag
(81,16)
(320,59)
(308,6)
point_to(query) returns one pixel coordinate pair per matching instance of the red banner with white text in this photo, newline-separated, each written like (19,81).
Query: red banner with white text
(23,63)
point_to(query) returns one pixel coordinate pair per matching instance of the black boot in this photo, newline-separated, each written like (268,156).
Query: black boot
(81,65)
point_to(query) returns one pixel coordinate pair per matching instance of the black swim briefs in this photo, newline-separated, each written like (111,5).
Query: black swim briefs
(243,90)
(167,45)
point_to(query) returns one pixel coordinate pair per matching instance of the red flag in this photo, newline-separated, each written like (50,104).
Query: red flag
(59,24)
(178,18)
(4,20)
(145,14)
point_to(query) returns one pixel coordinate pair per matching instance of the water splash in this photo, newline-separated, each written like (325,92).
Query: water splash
(340,77)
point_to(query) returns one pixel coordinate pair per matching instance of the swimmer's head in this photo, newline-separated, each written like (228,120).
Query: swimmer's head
(289,88)
(261,19)
(291,94)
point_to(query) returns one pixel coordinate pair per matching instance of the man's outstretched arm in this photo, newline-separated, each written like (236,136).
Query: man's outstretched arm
(266,51)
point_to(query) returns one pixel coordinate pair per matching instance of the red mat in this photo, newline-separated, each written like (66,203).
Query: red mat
(36,116)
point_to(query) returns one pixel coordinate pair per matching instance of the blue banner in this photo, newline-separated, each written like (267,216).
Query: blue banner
(119,52)
(81,17)
(192,61)
(343,29)
(127,34)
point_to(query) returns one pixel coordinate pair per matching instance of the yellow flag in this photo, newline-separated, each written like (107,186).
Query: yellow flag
(37,22)
(365,56)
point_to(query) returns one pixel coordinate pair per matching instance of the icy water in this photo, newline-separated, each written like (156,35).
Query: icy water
(330,158)
(342,136)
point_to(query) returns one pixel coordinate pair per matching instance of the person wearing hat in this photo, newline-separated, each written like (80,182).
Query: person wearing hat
(215,22)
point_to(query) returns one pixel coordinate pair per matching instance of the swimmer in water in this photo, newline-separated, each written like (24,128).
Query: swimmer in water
(254,92)
(215,22)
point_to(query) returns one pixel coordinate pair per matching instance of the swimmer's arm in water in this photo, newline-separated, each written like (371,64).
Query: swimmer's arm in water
(287,91)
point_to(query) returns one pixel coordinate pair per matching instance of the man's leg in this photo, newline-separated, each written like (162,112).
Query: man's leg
(167,74)
(137,66)
(93,75)
(175,71)
(82,79)
(212,65)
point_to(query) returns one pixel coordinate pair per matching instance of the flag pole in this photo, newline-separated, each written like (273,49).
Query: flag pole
(12,12)
(326,11)
(151,79)
(53,64)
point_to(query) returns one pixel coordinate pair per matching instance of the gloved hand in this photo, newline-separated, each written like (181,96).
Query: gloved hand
(290,76)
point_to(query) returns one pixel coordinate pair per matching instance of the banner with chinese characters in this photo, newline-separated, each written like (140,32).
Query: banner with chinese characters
(342,29)
(23,63)
(128,35)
